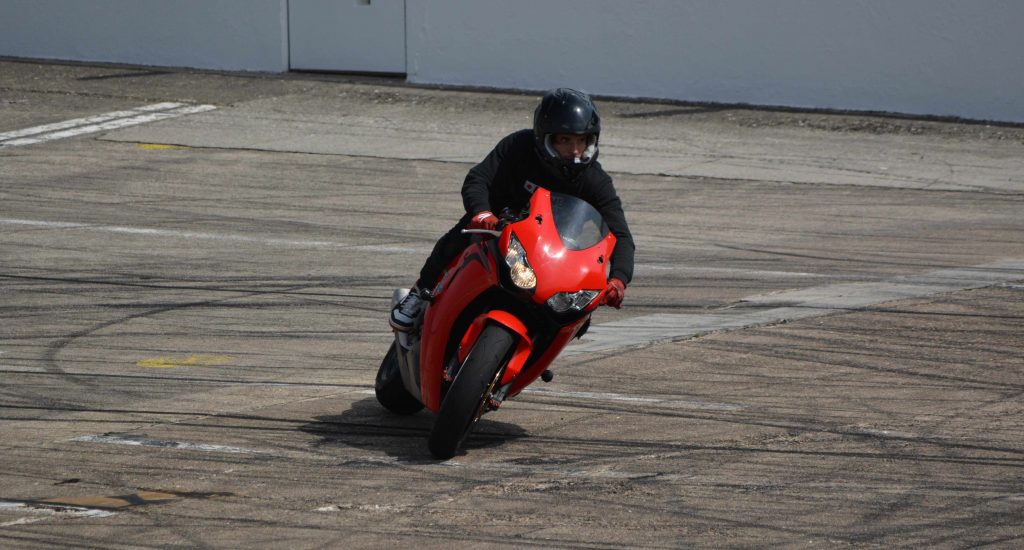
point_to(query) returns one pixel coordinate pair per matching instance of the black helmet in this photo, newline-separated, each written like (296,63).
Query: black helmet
(566,111)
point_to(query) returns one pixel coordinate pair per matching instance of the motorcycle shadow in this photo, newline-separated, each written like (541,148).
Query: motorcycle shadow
(367,425)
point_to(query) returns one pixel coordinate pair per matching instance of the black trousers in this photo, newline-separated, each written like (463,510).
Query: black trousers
(445,250)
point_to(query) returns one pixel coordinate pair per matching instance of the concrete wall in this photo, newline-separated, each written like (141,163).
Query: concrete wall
(935,57)
(939,57)
(210,34)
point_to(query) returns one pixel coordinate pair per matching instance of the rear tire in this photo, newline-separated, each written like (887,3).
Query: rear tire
(390,390)
(466,400)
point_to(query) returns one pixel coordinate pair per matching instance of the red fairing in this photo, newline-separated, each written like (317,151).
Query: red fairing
(470,275)
(558,268)
(523,347)
(525,378)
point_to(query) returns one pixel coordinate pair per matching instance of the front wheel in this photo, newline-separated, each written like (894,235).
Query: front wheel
(466,400)
(390,389)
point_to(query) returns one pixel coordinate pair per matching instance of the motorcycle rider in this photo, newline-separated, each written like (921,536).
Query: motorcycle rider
(559,154)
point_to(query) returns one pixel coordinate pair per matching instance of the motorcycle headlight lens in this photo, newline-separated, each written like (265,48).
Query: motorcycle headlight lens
(520,270)
(564,301)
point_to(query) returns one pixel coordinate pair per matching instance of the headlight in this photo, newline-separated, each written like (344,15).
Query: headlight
(522,274)
(564,301)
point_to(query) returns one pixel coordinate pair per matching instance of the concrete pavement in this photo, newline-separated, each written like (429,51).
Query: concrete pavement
(820,347)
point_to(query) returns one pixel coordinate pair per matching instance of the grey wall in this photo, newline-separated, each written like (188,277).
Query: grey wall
(940,57)
(211,34)
(935,57)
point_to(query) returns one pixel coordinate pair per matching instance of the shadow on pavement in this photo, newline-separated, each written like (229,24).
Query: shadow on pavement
(367,425)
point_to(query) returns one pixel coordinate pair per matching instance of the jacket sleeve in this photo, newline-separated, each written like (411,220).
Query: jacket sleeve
(476,189)
(603,196)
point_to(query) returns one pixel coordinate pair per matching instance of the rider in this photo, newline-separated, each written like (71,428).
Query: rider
(558,154)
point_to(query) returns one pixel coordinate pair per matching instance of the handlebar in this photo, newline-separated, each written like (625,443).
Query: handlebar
(505,217)
(481,232)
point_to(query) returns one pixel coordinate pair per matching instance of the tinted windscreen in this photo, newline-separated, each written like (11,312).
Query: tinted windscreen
(579,224)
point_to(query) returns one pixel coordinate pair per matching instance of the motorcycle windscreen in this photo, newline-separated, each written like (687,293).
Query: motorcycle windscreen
(579,224)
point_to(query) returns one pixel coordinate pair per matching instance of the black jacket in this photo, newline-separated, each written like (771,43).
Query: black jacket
(499,181)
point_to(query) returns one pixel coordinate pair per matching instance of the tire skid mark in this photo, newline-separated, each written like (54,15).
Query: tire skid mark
(53,350)
(336,433)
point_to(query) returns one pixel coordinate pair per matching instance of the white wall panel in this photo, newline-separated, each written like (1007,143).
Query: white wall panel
(210,34)
(940,57)
(347,35)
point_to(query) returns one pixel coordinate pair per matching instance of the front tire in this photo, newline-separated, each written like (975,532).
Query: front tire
(389,388)
(466,400)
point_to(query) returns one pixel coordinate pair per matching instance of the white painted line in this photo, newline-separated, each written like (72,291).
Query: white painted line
(648,330)
(613,397)
(147,442)
(12,368)
(116,119)
(663,401)
(857,295)
(110,124)
(656,268)
(4,136)
(601,472)
(384,508)
(195,235)
(47,512)
(21,521)
(604,471)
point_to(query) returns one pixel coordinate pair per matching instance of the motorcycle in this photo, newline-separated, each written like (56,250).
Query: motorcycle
(501,313)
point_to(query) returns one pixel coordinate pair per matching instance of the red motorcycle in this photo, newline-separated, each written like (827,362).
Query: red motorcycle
(501,313)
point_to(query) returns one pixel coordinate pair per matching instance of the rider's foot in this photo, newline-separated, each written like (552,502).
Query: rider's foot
(403,316)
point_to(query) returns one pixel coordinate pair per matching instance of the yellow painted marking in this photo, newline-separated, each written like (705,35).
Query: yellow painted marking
(158,146)
(156,496)
(190,361)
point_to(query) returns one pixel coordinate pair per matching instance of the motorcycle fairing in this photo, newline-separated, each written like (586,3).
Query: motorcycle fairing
(523,348)
(526,377)
(473,273)
(558,268)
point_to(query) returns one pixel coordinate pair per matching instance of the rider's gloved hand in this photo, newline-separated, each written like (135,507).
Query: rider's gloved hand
(614,293)
(484,220)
